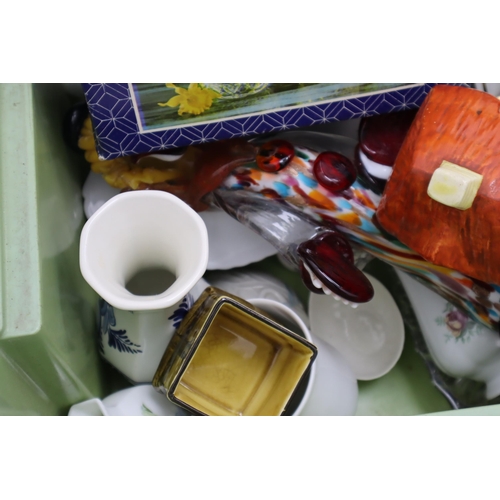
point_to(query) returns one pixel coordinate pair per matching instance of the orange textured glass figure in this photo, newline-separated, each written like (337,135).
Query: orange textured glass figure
(452,152)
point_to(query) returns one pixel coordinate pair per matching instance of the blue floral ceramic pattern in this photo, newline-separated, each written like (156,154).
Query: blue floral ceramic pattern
(179,314)
(117,339)
(118,134)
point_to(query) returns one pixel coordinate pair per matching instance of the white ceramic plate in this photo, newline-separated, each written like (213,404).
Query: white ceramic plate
(230,243)
(370,337)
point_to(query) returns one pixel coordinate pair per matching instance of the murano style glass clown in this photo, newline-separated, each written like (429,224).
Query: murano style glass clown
(313,196)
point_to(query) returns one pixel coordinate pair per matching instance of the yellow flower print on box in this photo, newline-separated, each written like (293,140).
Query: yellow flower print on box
(194,100)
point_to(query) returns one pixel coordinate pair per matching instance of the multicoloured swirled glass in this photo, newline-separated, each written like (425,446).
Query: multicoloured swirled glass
(353,212)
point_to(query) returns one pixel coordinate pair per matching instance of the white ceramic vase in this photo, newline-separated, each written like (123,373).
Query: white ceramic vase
(458,346)
(144,253)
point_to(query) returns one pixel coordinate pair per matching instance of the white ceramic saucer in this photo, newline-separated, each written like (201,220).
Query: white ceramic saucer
(369,337)
(140,400)
(230,243)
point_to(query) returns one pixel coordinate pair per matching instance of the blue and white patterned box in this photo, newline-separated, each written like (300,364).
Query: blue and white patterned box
(139,118)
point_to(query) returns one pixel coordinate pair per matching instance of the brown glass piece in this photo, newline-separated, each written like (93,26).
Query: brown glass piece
(203,169)
(462,126)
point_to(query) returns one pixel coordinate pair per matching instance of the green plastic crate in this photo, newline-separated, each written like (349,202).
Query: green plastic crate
(48,351)
(48,357)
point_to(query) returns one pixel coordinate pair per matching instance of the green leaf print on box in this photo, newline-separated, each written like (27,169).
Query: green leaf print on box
(117,339)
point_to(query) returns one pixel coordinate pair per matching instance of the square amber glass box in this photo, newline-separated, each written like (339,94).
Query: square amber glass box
(227,358)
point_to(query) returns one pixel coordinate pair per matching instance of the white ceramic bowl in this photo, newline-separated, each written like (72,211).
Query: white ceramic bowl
(370,337)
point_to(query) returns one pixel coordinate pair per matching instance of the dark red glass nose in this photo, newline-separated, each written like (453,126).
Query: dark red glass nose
(330,258)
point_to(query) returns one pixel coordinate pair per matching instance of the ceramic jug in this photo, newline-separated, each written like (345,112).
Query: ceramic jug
(144,253)
(459,346)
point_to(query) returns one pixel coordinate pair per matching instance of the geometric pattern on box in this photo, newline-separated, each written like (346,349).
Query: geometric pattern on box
(118,133)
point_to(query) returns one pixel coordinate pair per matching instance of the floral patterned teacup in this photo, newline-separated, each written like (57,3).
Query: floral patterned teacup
(459,346)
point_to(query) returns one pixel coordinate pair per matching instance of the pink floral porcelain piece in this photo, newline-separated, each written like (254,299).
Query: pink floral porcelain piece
(460,347)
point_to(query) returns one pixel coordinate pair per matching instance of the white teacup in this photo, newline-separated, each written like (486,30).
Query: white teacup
(258,285)
(332,389)
(141,400)
(459,346)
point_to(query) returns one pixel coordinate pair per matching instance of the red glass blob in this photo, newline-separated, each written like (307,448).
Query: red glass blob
(330,258)
(203,168)
(381,137)
(334,171)
(275,155)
